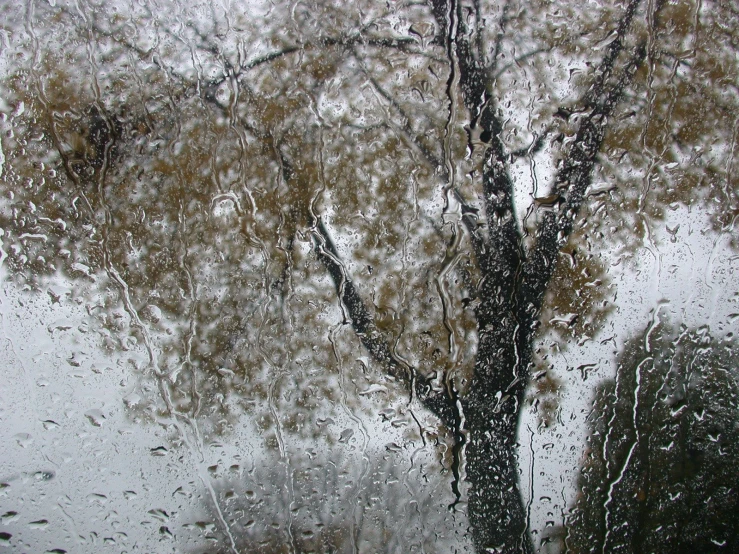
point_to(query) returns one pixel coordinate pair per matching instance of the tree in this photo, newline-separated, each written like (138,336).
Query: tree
(659,475)
(239,188)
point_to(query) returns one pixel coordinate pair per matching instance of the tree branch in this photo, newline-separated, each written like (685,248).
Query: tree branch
(535,147)
(503,24)
(575,175)
(503,254)
(405,129)
(371,337)
(469,214)
(519,59)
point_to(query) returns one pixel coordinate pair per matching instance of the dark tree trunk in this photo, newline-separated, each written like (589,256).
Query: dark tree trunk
(514,280)
(492,410)
(497,516)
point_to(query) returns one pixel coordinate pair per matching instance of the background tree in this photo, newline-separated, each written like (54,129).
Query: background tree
(659,473)
(259,196)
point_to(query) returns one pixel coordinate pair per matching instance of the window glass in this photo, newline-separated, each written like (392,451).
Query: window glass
(425,276)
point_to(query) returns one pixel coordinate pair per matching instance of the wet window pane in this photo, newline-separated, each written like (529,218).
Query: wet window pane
(428,276)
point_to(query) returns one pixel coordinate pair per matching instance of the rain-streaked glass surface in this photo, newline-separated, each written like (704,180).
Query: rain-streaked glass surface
(423,276)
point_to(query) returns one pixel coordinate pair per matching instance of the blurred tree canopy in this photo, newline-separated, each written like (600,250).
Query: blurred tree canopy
(659,473)
(271,202)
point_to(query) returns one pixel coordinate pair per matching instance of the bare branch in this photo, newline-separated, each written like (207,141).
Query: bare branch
(469,213)
(575,175)
(606,66)
(405,129)
(535,147)
(474,82)
(520,59)
(504,19)
(371,337)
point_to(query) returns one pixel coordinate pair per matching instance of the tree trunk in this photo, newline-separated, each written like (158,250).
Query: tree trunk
(496,512)
(492,409)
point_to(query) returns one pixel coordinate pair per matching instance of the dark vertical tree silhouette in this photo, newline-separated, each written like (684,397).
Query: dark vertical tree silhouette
(660,470)
(514,279)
